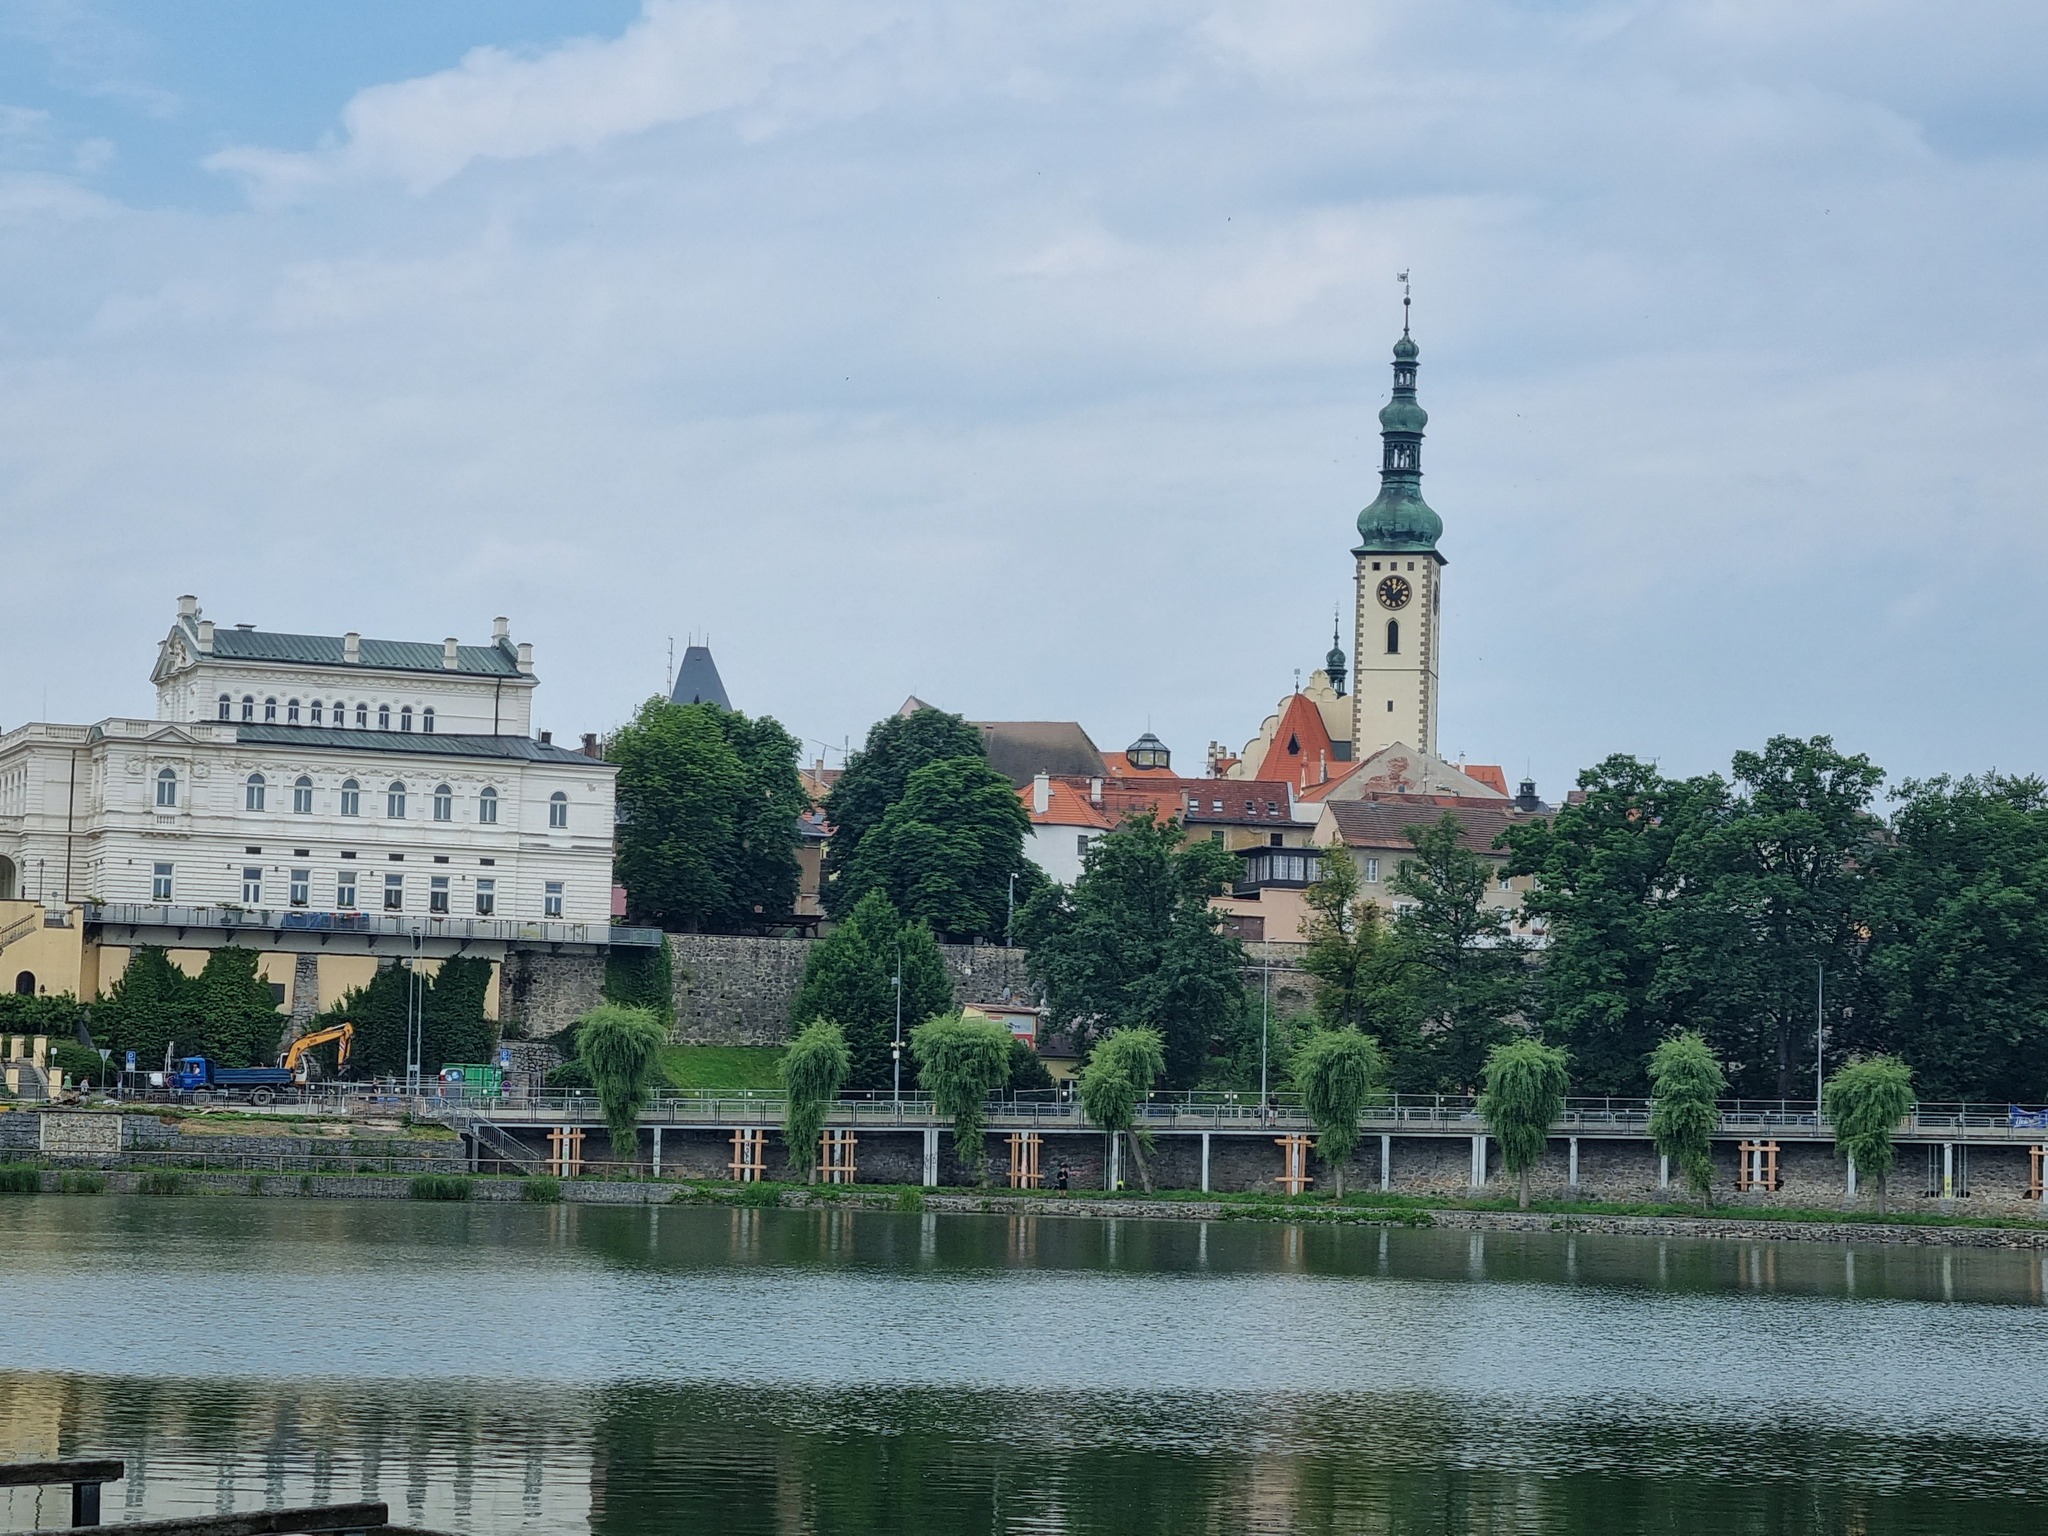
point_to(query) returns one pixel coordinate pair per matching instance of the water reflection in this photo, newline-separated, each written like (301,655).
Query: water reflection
(646,1371)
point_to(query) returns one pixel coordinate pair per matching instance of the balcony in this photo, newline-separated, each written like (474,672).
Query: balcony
(388,925)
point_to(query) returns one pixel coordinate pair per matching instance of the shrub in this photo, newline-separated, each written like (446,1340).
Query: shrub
(83,1184)
(440,1186)
(20,1179)
(161,1182)
(909,1201)
(542,1189)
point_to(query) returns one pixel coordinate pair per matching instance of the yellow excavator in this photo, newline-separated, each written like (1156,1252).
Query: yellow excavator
(295,1062)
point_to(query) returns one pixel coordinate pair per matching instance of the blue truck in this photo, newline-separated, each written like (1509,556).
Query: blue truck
(199,1079)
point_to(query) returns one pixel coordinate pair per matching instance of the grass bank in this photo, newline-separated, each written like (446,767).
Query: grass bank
(709,1068)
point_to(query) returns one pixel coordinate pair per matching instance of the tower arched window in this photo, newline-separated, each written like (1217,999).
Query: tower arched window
(405,718)
(291,711)
(252,793)
(248,706)
(558,809)
(351,798)
(167,787)
(1393,637)
(444,803)
(270,711)
(383,717)
(394,801)
(427,719)
(302,796)
(227,707)
(487,806)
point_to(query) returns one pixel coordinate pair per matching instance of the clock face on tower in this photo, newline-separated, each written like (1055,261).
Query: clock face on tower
(1394,592)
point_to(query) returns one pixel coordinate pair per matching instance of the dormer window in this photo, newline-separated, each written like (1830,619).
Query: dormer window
(227,707)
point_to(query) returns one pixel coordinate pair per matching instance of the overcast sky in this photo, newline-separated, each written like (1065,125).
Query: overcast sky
(1026,356)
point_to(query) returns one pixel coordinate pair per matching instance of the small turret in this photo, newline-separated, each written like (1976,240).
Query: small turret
(1333,663)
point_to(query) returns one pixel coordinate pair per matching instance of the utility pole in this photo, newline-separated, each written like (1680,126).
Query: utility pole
(1265,1019)
(1010,923)
(1820,998)
(896,1049)
(413,1022)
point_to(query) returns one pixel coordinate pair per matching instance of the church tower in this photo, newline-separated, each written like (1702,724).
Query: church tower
(1400,583)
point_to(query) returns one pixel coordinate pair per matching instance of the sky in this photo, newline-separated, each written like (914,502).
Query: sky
(1026,357)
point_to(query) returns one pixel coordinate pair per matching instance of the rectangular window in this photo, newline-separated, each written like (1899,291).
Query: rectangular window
(551,901)
(1507,882)
(302,887)
(1372,871)
(394,893)
(160,883)
(252,886)
(1081,844)
(345,891)
(486,896)
(437,895)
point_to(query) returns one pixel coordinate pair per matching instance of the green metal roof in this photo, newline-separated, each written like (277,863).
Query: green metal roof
(389,655)
(413,743)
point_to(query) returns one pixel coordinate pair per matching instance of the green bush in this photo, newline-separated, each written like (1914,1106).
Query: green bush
(542,1189)
(83,1183)
(441,1186)
(161,1182)
(255,1183)
(910,1201)
(759,1194)
(20,1179)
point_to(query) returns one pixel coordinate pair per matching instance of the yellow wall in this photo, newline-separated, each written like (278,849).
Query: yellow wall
(56,957)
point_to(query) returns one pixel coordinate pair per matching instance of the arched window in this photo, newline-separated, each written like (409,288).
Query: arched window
(383,717)
(318,713)
(487,806)
(444,803)
(427,719)
(248,706)
(340,714)
(25,984)
(227,707)
(269,711)
(252,793)
(362,717)
(351,798)
(291,711)
(405,718)
(558,809)
(167,787)
(1393,637)
(394,801)
(302,796)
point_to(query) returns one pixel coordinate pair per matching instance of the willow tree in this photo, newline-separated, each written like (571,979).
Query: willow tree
(813,1069)
(1866,1100)
(1337,1070)
(962,1063)
(1686,1083)
(621,1050)
(1120,1073)
(1525,1084)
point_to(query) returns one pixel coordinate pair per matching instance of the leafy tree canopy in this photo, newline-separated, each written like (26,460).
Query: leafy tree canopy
(1866,1100)
(962,1063)
(1688,1084)
(621,1049)
(875,779)
(848,979)
(948,851)
(453,1025)
(1525,1088)
(1117,1078)
(1337,1071)
(814,1070)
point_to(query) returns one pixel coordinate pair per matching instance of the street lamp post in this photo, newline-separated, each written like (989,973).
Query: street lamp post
(1820,997)
(1010,922)
(896,1047)
(413,1022)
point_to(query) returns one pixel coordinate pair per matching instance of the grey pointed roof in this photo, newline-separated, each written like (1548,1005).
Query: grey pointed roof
(697,680)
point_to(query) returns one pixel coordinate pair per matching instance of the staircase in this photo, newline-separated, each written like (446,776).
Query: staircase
(491,1143)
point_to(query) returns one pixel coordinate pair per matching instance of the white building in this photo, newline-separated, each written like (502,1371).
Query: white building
(340,796)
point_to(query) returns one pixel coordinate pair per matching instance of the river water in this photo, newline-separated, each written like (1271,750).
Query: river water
(494,1368)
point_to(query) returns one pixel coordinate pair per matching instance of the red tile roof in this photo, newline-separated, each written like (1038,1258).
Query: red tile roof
(1302,753)
(1067,806)
(1487,774)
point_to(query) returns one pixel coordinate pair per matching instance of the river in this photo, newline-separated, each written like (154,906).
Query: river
(497,1368)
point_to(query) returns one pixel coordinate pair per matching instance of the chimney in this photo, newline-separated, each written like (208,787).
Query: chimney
(590,744)
(501,630)
(1041,794)
(352,648)
(547,738)
(188,607)
(526,657)
(448,654)
(206,636)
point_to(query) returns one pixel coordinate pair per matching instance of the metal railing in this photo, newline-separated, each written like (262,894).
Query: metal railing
(398,925)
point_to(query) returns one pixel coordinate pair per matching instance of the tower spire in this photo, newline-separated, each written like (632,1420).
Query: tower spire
(1333,664)
(1400,519)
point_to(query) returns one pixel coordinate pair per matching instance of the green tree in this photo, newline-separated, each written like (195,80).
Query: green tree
(948,851)
(1028,1073)
(1117,1078)
(875,778)
(1866,1100)
(1463,974)
(814,1070)
(621,1049)
(962,1063)
(1958,955)
(848,979)
(239,1021)
(1347,952)
(1687,1084)
(1336,1070)
(1605,889)
(772,799)
(379,1009)
(453,1025)
(1525,1088)
(153,1007)
(1135,943)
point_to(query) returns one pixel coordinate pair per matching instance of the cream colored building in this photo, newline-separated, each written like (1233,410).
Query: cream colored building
(332,801)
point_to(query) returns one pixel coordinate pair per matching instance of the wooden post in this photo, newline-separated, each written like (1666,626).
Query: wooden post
(749,1154)
(1024,1159)
(1294,1175)
(565,1151)
(2037,1174)
(1758,1168)
(835,1155)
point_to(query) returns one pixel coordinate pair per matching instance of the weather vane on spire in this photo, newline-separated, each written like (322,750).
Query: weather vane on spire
(1401,277)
